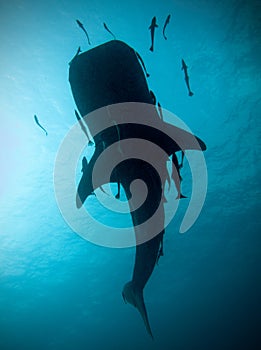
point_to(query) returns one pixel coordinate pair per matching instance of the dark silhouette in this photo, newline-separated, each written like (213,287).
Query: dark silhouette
(176,175)
(153,97)
(77,53)
(165,25)
(119,190)
(182,159)
(92,76)
(161,252)
(84,164)
(82,27)
(152,28)
(85,169)
(90,143)
(185,68)
(142,63)
(37,122)
(160,111)
(108,30)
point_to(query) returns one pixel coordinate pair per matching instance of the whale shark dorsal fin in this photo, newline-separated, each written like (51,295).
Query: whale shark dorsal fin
(84,164)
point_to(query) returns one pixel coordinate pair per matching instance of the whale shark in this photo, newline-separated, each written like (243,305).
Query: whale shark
(102,80)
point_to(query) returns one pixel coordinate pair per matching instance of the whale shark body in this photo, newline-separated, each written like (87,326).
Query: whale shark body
(101,79)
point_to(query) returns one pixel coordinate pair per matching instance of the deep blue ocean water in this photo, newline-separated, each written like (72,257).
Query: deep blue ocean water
(58,291)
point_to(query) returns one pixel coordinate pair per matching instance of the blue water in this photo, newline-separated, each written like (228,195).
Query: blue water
(58,291)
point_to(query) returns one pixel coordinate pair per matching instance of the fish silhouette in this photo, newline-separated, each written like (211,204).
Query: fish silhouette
(110,76)
(37,122)
(152,28)
(185,68)
(82,27)
(108,30)
(165,25)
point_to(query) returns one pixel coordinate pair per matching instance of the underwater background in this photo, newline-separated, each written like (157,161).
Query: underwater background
(59,291)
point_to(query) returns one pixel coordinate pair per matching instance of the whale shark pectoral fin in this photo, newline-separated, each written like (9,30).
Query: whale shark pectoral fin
(86,187)
(136,299)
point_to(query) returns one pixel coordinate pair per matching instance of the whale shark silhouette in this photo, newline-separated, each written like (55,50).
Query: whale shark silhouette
(106,76)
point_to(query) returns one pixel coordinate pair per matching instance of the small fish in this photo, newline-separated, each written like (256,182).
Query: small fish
(165,25)
(37,122)
(82,27)
(152,31)
(176,176)
(108,30)
(85,169)
(153,98)
(182,159)
(90,143)
(84,164)
(119,190)
(77,53)
(142,63)
(160,252)
(160,111)
(185,68)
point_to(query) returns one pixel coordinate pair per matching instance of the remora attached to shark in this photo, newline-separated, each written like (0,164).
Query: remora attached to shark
(115,76)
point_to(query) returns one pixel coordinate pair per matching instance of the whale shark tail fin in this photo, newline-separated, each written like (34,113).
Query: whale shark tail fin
(132,296)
